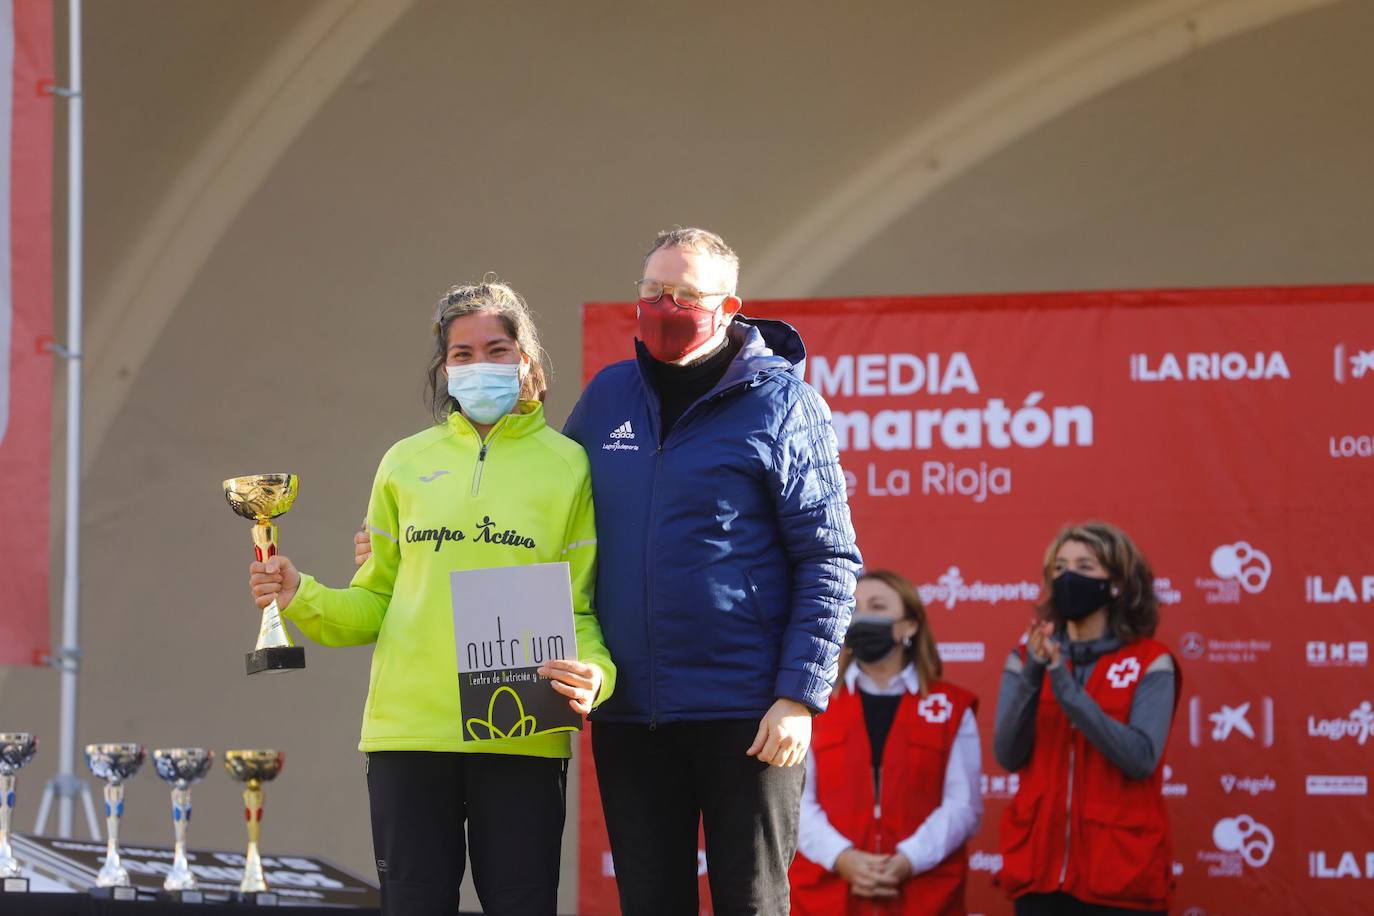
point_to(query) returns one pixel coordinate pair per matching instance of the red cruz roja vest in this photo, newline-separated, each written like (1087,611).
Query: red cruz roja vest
(913,779)
(1078,823)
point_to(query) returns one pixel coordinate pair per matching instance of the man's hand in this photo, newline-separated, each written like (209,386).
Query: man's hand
(578,681)
(277,578)
(865,873)
(784,734)
(362,545)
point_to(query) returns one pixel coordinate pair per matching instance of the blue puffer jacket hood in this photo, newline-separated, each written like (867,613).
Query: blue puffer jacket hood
(726,552)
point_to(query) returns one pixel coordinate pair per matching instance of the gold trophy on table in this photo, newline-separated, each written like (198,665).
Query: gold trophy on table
(253,768)
(263,497)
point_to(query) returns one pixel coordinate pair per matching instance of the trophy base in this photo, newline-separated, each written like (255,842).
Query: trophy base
(254,898)
(280,658)
(14,886)
(181,896)
(114,893)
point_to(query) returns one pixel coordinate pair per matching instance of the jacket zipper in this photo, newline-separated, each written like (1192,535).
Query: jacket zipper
(482,454)
(477,471)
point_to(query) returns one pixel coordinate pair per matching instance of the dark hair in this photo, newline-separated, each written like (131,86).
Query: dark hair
(923,652)
(505,303)
(1133,611)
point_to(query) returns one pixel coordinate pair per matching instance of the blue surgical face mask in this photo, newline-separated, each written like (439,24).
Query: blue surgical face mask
(485,391)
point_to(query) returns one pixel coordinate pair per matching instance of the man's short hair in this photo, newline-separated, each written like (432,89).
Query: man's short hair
(701,240)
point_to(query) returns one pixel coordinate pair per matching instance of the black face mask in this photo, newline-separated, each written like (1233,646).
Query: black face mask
(1076,596)
(871,640)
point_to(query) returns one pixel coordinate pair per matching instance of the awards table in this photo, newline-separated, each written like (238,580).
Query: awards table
(85,905)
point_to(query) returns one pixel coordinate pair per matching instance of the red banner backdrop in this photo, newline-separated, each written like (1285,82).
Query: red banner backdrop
(26,51)
(1231,433)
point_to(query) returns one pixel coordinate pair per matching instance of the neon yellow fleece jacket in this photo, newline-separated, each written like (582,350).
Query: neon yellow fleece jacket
(435,495)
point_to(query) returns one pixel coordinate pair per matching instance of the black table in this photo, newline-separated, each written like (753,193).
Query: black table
(84,905)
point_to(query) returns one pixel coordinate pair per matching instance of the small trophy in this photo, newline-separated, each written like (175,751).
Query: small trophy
(263,497)
(182,767)
(253,768)
(114,763)
(16,750)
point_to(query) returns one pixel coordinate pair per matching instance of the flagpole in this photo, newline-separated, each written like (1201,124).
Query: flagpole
(65,785)
(71,587)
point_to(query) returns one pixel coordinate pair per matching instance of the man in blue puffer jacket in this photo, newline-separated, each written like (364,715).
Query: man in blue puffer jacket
(725,585)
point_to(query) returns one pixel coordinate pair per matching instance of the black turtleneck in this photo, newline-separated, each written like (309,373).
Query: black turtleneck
(680,386)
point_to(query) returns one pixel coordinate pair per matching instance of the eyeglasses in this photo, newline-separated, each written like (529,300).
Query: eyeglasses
(685,296)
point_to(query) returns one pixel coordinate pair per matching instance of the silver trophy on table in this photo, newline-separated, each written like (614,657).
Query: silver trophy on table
(114,763)
(181,768)
(16,750)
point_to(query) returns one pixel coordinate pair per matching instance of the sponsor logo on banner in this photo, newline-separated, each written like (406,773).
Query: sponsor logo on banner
(1352,446)
(961,651)
(1353,363)
(1165,592)
(1172,789)
(1337,785)
(1320,864)
(1237,567)
(1194,646)
(998,786)
(1352,654)
(1227,721)
(990,862)
(1249,785)
(1340,590)
(1358,725)
(1208,367)
(950,589)
(995,423)
(1240,841)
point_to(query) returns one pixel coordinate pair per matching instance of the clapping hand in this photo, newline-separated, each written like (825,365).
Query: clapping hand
(1040,642)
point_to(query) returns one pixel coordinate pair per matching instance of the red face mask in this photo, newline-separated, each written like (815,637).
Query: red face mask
(670,332)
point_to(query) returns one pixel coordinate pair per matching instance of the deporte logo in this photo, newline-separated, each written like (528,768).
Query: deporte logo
(950,589)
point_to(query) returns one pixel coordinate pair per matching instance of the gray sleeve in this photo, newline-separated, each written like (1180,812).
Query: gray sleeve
(1135,746)
(1013,736)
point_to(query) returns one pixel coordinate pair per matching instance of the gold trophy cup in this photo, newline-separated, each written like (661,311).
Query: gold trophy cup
(253,768)
(263,497)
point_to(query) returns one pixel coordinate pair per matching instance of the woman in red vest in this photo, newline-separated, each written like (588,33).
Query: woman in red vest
(893,778)
(1083,716)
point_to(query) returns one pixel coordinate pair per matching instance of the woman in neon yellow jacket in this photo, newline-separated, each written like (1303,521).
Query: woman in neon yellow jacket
(489,466)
